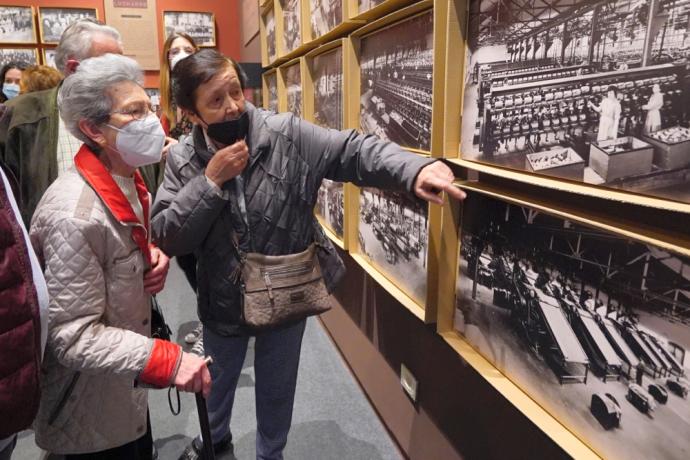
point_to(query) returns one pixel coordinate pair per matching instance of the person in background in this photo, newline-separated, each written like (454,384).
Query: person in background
(39,78)
(176,124)
(609,115)
(254,175)
(10,76)
(177,46)
(91,230)
(23,320)
(37,147)
(653,107)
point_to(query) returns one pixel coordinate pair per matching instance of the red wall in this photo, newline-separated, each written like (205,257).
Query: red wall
(228,38)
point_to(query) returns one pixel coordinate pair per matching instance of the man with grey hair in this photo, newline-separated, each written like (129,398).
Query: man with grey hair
(36,146)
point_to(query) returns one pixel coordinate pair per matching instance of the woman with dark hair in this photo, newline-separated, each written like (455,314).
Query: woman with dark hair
(11,76)
(250,177)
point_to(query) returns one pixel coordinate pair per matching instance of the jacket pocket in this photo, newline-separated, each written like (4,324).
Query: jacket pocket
(124,283)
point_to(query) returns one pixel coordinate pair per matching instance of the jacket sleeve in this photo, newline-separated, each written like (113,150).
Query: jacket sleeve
(77,335)
(184,212)
(365,160)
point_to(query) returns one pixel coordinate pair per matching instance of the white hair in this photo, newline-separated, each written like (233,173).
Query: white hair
(76,41)
(83,95)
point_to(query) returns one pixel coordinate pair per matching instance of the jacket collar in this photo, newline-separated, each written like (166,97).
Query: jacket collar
(98,177)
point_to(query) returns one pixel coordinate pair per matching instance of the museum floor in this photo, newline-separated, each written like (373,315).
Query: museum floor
(332,417)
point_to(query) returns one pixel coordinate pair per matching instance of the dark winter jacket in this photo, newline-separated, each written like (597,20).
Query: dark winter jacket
(288,159)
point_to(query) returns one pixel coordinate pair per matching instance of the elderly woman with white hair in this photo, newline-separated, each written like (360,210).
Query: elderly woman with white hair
(91,230)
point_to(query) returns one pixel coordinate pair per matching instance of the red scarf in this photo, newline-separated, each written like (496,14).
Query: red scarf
(98,177)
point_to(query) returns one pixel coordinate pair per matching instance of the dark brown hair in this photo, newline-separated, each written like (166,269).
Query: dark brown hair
(195,70)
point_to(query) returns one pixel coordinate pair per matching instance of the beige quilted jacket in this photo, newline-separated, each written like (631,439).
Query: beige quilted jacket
(98,323)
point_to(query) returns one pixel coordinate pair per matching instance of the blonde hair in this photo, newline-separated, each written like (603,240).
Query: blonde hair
(38,78)
(167,105)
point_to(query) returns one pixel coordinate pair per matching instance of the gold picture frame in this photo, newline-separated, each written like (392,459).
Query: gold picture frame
(27,56)
(53,21)
(21,29)
(200,25)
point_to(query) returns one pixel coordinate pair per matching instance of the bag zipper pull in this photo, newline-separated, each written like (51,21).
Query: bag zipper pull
(267,281)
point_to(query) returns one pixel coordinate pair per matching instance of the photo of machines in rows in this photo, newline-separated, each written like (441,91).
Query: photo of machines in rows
(592,325)
(397,81)
(393,233)
(596,91)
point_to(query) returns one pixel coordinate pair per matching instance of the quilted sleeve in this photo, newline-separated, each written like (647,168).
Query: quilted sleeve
(365,160)
(76,284)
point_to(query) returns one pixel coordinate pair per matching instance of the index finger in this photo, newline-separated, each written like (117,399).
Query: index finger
(454,191)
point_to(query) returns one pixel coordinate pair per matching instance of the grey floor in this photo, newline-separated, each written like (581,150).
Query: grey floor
(332,417)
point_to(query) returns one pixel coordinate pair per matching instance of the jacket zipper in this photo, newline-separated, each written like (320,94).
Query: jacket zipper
(63,400)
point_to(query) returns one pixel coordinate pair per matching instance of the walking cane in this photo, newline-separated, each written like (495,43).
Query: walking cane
(207,442)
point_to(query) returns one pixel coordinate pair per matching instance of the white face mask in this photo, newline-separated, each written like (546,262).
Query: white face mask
(177,58)
(140,142)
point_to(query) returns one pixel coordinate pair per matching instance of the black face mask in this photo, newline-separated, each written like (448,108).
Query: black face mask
(231,131)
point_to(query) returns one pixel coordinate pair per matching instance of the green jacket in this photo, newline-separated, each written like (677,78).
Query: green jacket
(28,145)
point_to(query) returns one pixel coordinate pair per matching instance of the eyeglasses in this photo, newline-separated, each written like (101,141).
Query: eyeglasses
(138,112)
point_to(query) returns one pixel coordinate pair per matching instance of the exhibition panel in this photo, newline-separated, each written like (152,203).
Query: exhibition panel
(323,105)
(291,17)
(546,84)
(563,278)
(591,323)
(290,84)
(374,9)
(269,42)
(270,90)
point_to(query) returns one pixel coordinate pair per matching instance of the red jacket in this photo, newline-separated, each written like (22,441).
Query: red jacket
(20,327)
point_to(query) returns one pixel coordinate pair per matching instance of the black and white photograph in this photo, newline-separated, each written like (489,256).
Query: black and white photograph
(292,35)
(272,87)
(366,5)
(270,21)
(54,21)
(330,205)
(27,56)
(595,91)
(198,25)
(327,74)
(49,57)
(393,234)
(293,83)
(396,82)
(325,16)
(594,326)
(17,25)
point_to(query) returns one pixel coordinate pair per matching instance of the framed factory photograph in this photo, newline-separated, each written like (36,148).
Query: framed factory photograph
(396,78)
(52,22)
(269,45)
(49,57)
(201,26)
(372,9)
(27,56)
(291,19)
(17,25)
(589,319)
(290,85)
(270,90)
(323,106)
(392,243)
(325,15)
(592,92)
